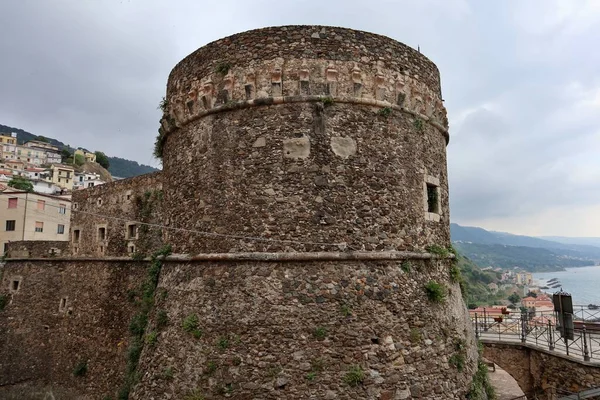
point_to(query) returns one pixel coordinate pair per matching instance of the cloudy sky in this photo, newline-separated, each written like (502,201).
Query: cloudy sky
(521,81)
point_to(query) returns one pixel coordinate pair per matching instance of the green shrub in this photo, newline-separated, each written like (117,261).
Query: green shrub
(211,367)
(327,101)
(405,266)
(190,324)
(385,112)
(123,392)
(80,368)
(223,68)
(481,387)
(458,361)
(455,273)
(320,333)
(168,373)
(355,376)
(311,376)
(195,394)
(162,319)
(418,124)
(138,324)
(151,338)
(438,250)
(415,335)
(346,310)
(163,105)
(223,342)
(435,292)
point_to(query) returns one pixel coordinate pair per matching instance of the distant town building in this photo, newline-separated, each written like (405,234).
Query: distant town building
(84,180)
(89,156)
(62,175)
(33,216)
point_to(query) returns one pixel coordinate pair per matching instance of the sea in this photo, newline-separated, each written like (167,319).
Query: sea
(582,283)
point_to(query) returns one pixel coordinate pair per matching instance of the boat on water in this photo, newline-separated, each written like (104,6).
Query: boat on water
(553,280)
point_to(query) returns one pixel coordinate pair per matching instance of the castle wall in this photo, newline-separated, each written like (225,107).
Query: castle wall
(64,313)
(291,330)
(330,139)
(114,206)
(37,248)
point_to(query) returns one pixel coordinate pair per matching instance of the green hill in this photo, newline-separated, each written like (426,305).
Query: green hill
(119,167)
(475,289)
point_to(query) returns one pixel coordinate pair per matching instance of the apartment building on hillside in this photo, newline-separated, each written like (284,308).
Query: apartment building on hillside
(62,175)
(33,216)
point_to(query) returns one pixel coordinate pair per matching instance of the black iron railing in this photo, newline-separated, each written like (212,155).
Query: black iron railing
(542,329)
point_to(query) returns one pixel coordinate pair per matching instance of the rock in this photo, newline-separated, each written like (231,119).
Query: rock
(260,142)
(280,382)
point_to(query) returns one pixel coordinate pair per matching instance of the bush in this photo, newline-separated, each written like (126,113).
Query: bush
(190,324)
(435,292)
(355,376)
(151,338)
(320,333)
(458,361)
(80,368)
(438,250)
(455,273)
(385,112)
(138,324)
(223,342)
(162,319)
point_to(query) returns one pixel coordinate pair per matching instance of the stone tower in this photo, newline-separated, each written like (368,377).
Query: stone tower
(316,159)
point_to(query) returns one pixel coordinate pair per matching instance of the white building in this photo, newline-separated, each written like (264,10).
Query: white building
(84,180)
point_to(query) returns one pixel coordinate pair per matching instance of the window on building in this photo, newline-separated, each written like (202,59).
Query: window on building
(76,235)
(12,202)
(41,205)
(62,208)
(5,248)
(75,206)
(132,231)
(101,233)
(61,229)
(131,249)
(39,226)
(432,198)
(99,201)
(10,225)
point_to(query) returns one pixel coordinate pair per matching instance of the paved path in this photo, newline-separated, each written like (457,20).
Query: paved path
(505,385)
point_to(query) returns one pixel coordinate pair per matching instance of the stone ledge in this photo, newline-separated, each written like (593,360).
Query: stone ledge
(268,101)
(274,257)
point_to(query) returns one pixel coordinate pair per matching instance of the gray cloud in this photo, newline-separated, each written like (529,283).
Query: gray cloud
(520,81)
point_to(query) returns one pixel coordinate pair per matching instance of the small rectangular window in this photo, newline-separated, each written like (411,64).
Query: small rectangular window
(101,233)
(61,229)
(76,234)
(432,198)
(62,209)
(41,205)
(39,226)
(132,231)
(10,225)
(12,202)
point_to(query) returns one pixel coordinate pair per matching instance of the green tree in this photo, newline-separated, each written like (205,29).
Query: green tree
(531,294)
(18,182)
(79,160)
(65,154)
(514,298)
(42,139)
(102,159)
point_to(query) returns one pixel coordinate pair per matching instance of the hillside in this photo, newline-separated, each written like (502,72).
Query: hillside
(475,281)
(499,249)
(119,167)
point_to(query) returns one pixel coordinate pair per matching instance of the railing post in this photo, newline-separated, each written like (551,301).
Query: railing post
(550,339)
(586,353)
(523,327)
(485,327)
(476,327)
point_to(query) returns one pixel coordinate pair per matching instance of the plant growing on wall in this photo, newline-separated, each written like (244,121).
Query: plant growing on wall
(435,292)
(355,376)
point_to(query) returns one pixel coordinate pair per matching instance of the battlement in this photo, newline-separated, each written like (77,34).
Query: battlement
(303,63)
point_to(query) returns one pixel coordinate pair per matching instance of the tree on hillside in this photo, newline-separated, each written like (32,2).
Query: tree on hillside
(514,298)
(42,139)
(65,154)
(532,294)
(18,182)
(102,159)
(79,160)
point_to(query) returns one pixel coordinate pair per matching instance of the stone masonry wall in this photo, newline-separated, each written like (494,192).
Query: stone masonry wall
(292,330)
(114,206)
(62,313)
(37,249)
(311,134)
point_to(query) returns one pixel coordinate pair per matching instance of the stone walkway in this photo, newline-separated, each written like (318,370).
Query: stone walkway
(506,386)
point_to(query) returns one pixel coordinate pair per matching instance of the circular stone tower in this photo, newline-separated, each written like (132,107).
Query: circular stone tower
(316,156)
(305,134)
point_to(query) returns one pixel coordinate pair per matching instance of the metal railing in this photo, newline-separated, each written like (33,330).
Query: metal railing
(543,330)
